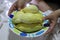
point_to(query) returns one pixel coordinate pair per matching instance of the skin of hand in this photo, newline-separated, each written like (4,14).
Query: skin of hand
(19,4)
(53,17)
(44,6)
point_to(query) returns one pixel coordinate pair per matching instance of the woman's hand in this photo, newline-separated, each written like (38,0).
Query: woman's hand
(19,4)
(53,17)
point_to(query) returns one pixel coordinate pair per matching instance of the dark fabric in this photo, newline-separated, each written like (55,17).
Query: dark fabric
(53,1)
(57,2)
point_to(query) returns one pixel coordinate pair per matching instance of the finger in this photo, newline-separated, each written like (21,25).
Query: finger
(20,4)
(49,30)
(49,17)
(52,25)
(46,18)
(13,7)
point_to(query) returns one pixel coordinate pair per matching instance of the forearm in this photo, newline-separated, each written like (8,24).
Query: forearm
(43,6)
(57,12)
(20,3)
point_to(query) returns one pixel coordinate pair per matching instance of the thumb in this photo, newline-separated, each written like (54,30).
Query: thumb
(47,17)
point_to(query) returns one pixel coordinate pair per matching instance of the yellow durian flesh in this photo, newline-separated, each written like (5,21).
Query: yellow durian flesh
(30,9)
(29,28)
(28,19)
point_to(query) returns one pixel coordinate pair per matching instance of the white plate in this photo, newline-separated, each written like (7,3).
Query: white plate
(35,34)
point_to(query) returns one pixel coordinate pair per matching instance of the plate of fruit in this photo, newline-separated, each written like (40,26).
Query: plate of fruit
(28,22)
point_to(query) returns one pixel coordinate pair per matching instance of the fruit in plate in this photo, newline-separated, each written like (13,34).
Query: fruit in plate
(29,28)
(30,9)
(17,17)
(28,19)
